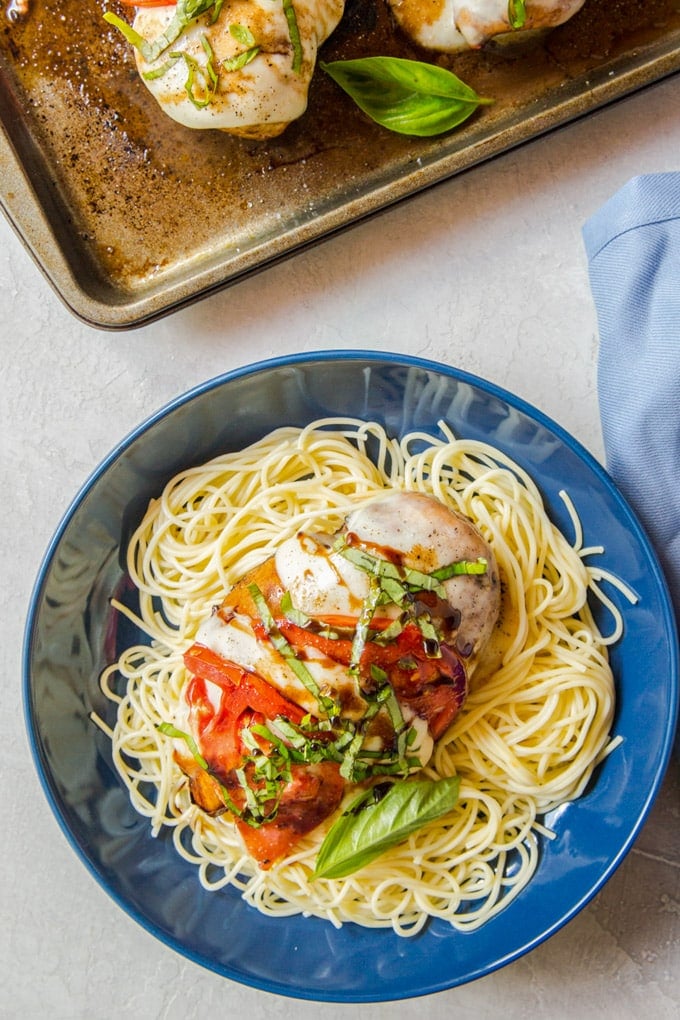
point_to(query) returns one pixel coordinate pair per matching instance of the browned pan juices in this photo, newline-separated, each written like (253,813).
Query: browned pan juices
(148,214)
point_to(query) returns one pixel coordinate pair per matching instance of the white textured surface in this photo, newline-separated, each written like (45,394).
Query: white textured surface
(486,272)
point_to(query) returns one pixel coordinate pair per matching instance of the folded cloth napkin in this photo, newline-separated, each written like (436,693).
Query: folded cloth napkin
(633,249)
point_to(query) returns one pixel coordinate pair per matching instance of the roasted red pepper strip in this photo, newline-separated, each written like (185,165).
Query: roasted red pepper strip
(218,730)
(340,621)
(249,689)
(408,642)
(337,649)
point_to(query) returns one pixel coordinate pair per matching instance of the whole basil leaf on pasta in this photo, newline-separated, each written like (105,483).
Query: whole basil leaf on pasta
(381,818)
(409,97)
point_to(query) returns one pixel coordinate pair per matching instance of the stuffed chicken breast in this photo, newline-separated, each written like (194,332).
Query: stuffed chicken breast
(450,25)
(243,67)
(339,660)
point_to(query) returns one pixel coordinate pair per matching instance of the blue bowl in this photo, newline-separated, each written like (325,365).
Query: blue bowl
(69,638)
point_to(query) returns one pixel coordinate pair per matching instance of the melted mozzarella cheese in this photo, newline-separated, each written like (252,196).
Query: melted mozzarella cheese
(427,536)
(257,100)
(423,744)
(320,582)
(431,23)
(235,641)
(451,25)
(424,535)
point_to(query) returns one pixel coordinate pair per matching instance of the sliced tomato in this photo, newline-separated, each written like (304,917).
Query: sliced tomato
(337,649)
(314,793)
(435,689)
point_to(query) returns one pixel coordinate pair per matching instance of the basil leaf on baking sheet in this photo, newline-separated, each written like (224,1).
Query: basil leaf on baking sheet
(381,818)
(409,97)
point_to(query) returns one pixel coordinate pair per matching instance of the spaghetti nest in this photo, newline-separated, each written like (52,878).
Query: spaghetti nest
(536,722)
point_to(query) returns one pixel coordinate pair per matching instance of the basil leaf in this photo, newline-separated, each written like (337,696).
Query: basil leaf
(378,820)
(409,97)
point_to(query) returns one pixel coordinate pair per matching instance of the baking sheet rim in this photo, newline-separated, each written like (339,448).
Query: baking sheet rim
(135,308)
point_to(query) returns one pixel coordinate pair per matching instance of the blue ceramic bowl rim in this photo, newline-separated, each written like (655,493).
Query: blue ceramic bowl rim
(491,389)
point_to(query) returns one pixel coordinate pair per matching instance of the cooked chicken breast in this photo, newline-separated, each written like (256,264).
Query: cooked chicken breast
(450,25)
(409,530)
(369,636)
(243,73)
(426,535)
(430,23)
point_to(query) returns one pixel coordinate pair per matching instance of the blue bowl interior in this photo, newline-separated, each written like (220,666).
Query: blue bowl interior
(71,633)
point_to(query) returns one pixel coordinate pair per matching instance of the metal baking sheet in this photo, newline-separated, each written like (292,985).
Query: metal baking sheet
(131,216)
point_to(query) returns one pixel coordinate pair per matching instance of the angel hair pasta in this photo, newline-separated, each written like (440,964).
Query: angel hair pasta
(535,723)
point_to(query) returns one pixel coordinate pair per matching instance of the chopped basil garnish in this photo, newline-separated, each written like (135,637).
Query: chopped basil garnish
(158,72)
(347,746)
(478,566)
(278,640)
(294,33)
(242,34)
(133,37)
(185,14)
(388,572)
(295,616)
(362,630)
(398,582)
(171,731)
(207,76)
(517,14)
(241,59)
(186,11)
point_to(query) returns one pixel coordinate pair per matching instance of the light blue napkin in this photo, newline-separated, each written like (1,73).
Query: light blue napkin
(633,249)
